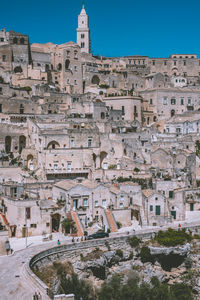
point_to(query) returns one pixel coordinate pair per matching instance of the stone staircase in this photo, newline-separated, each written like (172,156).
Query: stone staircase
(111,220)
(79,227)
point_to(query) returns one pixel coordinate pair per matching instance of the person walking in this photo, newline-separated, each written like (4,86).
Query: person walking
(35,296)
(58,242)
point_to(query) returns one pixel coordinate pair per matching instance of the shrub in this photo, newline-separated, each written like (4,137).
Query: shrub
(130,255)
(136,170)
(134,241)
(119,225)
(104,86)
(107,245)
(145,255)
(119,252)
(112,167)
(171,237)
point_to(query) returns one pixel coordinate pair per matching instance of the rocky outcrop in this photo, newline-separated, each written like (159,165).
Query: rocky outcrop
(184,250)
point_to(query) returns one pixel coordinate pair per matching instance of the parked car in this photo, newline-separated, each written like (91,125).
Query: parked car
(98,235)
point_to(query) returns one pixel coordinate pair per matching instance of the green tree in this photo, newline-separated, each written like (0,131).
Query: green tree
(68,225)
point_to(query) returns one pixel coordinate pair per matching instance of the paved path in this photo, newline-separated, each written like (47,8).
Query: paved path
(14,284)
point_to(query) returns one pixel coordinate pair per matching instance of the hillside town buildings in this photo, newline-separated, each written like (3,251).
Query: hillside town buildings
(105,141)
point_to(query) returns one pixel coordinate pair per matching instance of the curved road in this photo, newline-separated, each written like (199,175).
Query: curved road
(14,282)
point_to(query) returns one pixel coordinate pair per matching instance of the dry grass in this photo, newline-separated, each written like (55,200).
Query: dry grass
(97,253)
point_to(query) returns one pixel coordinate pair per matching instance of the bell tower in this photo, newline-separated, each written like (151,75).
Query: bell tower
(83,31)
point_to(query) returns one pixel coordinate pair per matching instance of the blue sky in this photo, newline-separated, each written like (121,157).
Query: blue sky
(118,27)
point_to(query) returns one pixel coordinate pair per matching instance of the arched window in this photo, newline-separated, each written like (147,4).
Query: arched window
(67,63)
(95,80)
(172,112)
(59,67)
(15,40)
(22,40)
(22,143)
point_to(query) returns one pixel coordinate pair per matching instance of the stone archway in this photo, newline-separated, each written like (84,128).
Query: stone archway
(103,155)
(95,80)
(53,145)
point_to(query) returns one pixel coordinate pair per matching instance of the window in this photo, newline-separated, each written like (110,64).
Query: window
(82,45)
(123,111)
(75,68)
(85,202)
(121,205)
(4,58)
(68,81)
(105,166)
(104,203)
(33,225)
(21,109)
(174,63)
(131,200)
(96,203)
(182,101)
(89,142)
(171,193)
(47,224)
(69,166)
(151,207)
(151,101)
(82,36)
(68,53)
(72,143)
(55,166)
(0,108)
(153,62)
(189,101)
(28,212)
(165,62)
(75,82)
(165,101)
(157,210)
(121,198)
(184,63)
(173,101)
(75,54)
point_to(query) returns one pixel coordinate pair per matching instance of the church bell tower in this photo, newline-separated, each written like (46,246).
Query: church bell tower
(83,31)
